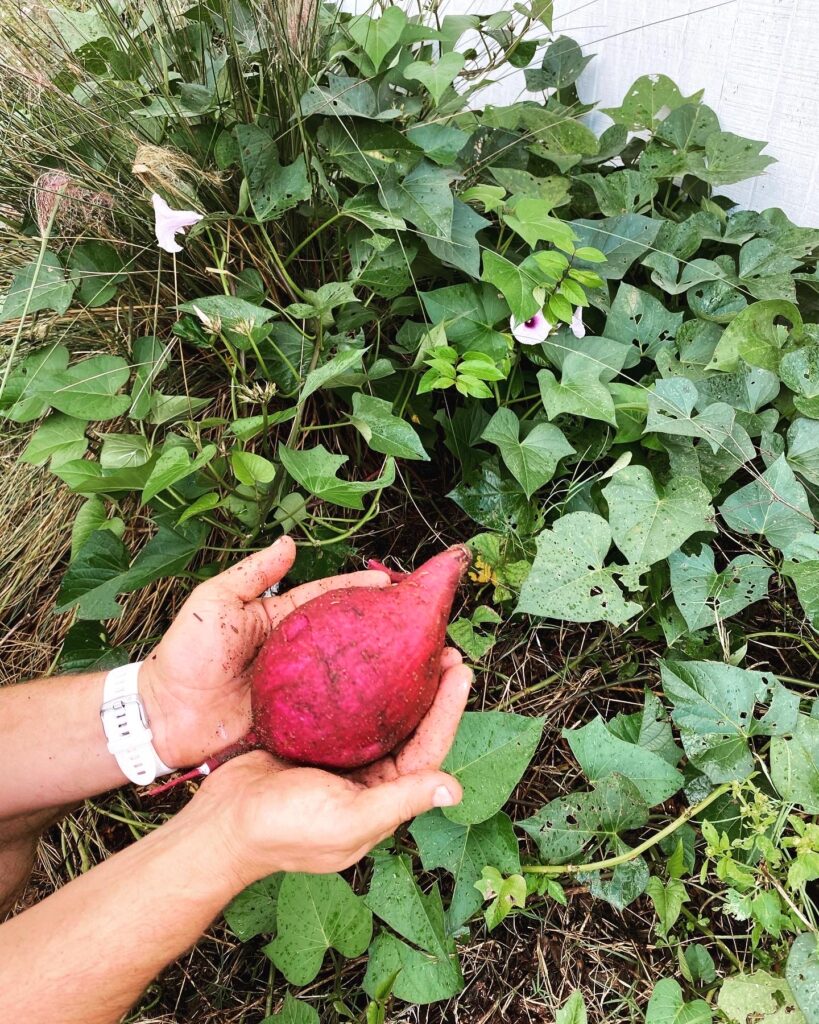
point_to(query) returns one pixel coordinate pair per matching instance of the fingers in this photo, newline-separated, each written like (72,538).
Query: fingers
(450,658)
(254,574)
(386,806)
(383,770)
(428,746)
(278,607)
(430,743)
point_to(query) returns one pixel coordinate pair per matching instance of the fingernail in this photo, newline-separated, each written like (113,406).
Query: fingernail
(442,797)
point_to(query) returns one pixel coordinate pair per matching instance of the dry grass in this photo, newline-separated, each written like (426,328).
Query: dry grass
(36,510)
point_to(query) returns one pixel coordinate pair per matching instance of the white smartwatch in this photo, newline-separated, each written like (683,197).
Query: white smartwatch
(126,727)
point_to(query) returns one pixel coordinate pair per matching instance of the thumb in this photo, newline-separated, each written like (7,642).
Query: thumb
(388,804)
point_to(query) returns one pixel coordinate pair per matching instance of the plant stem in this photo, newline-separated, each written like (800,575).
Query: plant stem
(787,636)
(38,265)
(309,238)
(276,492)
(624,858)
(798,682)
(368,515)
(706,931)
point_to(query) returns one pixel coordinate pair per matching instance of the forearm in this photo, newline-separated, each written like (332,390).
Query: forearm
(52,746)
(85,954)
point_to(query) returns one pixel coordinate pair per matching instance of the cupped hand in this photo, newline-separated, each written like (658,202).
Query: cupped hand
(269,816)
(196,683)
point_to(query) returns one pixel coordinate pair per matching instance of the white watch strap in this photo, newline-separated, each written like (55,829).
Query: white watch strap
(126,727)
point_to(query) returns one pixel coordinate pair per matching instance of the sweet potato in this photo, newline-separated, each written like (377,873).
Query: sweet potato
(343,679)
(346,677)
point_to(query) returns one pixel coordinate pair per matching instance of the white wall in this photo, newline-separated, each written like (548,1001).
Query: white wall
(758,61)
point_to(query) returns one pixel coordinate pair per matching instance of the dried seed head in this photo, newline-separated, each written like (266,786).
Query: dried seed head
(259,393)
(59,200)
(163,169)
(298,15)
(212,324)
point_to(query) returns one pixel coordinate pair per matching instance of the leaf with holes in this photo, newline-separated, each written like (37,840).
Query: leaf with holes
(774,506)
(805,576)
(423,197)
(795,765)
(568,825)
(759,997)
(802,974)
(650,521)
(755,337)
(705,596)
(636,316)
(622,240)
(728,158)
(713,698)
(626,191)
(799,370)
(274,188)
(649,100)
(568,579)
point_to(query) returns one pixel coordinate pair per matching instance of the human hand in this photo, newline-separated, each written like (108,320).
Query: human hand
(268,816)
(196,683)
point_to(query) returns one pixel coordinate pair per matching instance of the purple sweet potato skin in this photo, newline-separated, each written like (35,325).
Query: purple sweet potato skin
(345,678)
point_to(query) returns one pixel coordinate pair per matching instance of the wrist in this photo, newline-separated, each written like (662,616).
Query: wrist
(235,802)
(150,693)
(214,821)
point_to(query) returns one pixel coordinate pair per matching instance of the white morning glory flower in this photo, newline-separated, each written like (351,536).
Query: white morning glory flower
(577,327)
(533,331)
(169,223)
